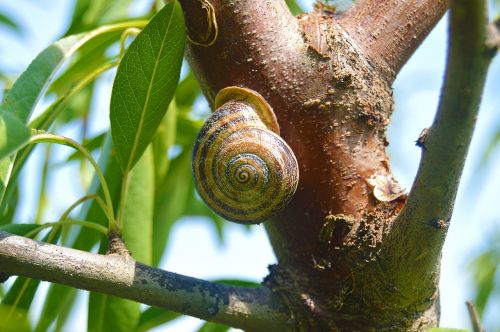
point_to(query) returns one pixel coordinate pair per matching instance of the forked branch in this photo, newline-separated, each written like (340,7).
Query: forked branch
(246,308)
(389,31)
(419,231)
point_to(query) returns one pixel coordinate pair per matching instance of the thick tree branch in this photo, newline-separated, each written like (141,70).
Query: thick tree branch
(389,31)
(415,242)
(253,309)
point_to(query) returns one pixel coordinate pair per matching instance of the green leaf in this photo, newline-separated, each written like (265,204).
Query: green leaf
(13,134)
(85,61)
(294,7)
(20,324)
(31,85)
(196,207)
(91,144)
(109,313)
(171,203)
(90,14)
(8,22)
(145,84)
(138,210)
(485,267)
(153,317)
(162,142)
(187,129)
(19,229)
(213,327)
(238,282)
(187,91)
(444,329)
(58,298)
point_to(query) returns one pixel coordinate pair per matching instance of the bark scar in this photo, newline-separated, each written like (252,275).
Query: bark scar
(201,22)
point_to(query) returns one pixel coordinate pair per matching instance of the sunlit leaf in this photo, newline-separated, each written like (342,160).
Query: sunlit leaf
(145,84)
(294,7)
(485,269)
(170,204)
(213,327)
(13,134)
(162,142)
(10,23)
(153,317)
(32,84)
(238,282)
(14,319)
(19,229)
(91,144)
(57,299)
(138,211)
(444,329)
(90,14)
(187,91)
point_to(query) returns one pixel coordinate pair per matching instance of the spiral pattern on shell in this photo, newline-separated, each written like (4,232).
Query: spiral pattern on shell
(243,171)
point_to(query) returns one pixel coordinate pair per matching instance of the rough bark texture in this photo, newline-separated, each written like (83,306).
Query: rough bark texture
(328,79)
(122,276)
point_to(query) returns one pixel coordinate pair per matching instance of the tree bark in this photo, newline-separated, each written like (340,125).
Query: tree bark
(328,78)
(121,276)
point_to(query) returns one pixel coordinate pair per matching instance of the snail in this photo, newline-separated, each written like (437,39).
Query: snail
(243,170)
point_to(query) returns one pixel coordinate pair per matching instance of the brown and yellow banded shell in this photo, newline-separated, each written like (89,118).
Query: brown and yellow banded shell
(243,170)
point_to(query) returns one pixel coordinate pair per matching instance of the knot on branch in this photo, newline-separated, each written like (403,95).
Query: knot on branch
(305,312)
(116,246)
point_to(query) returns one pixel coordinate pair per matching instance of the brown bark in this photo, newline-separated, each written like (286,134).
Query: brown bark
(389,31)
(329,83)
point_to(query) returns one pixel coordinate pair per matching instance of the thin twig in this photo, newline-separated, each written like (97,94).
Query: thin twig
(474,317)
(418,233)
(246,308)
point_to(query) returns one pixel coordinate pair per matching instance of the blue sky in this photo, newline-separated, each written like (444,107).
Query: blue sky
(194,249)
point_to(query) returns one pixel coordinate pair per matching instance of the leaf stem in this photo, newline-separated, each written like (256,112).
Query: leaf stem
(51,138)
(43,122)
(83,199)
(123,39)
(70,221)
(474,317)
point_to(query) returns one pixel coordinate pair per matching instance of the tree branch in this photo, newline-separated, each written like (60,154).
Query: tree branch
(494,34)
(389,31)
(255,309)
(414,246)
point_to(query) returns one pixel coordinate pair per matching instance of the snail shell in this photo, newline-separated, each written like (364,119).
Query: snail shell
(243,170)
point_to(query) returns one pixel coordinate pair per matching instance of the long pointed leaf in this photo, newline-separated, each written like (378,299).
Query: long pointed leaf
(170,204)
(153,317)
(138,212)
(13,134)
(145,84)
(32,84)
